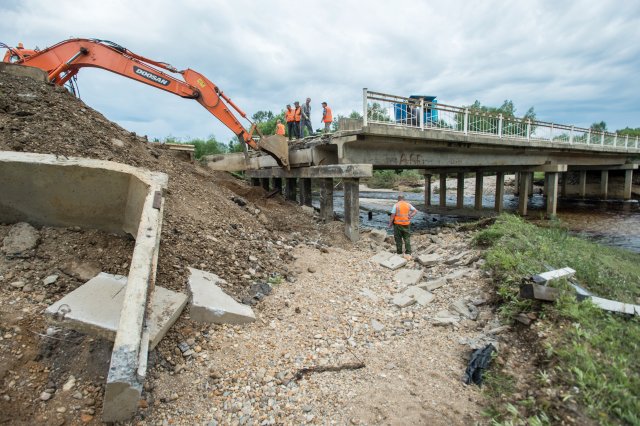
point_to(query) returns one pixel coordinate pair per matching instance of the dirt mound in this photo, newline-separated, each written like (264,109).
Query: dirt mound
(244,241)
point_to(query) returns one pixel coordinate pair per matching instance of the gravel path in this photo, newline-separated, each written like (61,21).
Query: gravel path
(337,312)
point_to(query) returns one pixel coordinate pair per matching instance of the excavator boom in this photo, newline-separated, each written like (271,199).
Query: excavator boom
(63,61)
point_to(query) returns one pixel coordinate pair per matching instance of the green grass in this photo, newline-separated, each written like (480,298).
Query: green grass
(593,351)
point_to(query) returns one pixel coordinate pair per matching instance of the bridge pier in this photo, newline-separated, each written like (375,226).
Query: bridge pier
(460,191)
(291,191)
(499,205)
(427,190)
(479,190)
(326,199)
(582,184)
(523,198)
(277,184)
(604,184)
(551,178)
(305,192)
(628,182)
(265,183)
(443,190)
(352,208)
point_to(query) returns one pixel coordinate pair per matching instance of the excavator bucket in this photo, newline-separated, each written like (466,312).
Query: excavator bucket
(276,146)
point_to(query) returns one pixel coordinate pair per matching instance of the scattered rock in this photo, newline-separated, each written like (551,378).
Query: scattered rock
(377,325)
(378,235)
(69,384)
(83,271)
(311,269)
(401,300)
(21,240)
(45,396)
(50,279)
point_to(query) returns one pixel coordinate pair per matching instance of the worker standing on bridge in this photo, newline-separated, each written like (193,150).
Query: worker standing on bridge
(401,215)
(289,116)
(297,116)
(279,128)
(306,118)
(327,117)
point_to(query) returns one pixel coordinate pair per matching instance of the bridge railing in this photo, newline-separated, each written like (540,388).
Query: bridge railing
(401,111)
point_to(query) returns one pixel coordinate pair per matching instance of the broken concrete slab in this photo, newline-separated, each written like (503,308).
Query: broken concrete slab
(445,318)
(401,300)
(421,296)
(433,284)
(95,308)
(380,257)
(21,240)
(456,258)
(394,262)
(409,277)
(460,306)
(378,235)
(455,275)
(553,275)
(429,259)
(212,305)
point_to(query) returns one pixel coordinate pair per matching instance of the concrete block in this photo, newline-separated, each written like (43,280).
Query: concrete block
(433,284)
(381,257)
(409,276)
(421,296)
(94,308)
(210,304)
(21,240)
(394,262)
(401,300)
(429,259)
(445,318)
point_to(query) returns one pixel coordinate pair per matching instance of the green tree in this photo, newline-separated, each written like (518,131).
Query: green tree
(375,112)
(629,131)
(355,115)
(511,126)
(599,127)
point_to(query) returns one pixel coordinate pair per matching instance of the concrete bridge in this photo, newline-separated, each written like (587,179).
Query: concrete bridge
(405,133)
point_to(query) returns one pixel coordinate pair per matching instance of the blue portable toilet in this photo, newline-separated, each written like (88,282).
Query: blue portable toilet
(430,114)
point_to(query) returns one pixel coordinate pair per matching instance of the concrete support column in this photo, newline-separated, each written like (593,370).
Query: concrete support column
(443,190)
(530,183)
(628,181)
(460,191)
(499,192)
(565,178)
(326,199)
(265,183)
(305,192)
(523,199)
(277,184)
(352,208)
(582,183)
(552,194)
(292,189)
(479,190)
(427,190)
(255,181)
(604,184)
(516,182)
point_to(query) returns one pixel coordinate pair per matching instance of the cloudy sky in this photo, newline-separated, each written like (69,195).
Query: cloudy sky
(575,62)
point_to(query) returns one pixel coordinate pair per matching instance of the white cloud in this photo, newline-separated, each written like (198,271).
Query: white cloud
(575,62)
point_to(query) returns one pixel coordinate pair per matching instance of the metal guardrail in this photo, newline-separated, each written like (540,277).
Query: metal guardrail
(394,110)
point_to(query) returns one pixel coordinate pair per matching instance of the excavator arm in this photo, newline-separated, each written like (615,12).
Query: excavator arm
(63,60)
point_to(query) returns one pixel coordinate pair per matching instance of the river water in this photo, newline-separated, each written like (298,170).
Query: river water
(612,223)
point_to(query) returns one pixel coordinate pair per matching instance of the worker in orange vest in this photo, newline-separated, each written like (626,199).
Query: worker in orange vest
(289,116)
(279,128)
(327,117)
(297,115)
(401,215)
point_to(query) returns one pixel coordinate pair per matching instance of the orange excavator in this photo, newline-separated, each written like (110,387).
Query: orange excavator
(62,62)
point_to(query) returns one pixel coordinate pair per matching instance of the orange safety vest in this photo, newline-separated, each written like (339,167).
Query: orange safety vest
(280,129)
(298,112)
(289,115)
(328,117)
(402,213)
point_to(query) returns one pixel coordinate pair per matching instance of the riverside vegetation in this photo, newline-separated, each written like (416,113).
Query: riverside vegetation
(587,366)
